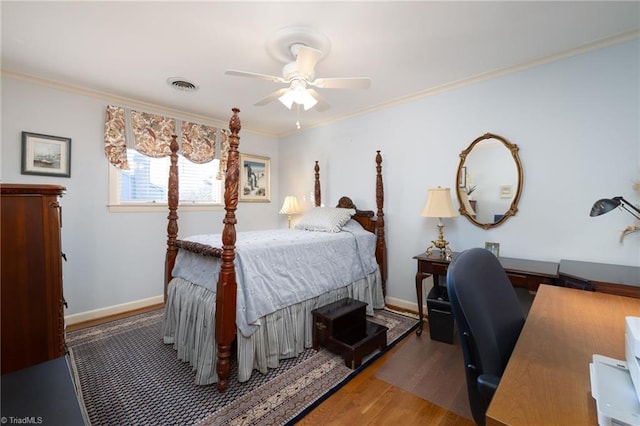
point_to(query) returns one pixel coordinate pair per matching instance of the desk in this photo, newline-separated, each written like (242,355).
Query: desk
(547,380)
(615,279)
(523,273)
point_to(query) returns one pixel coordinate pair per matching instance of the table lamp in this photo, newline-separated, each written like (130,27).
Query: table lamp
(440,205)
(289,207)
(605,205)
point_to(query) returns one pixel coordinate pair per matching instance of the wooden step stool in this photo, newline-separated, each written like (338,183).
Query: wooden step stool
(342,327)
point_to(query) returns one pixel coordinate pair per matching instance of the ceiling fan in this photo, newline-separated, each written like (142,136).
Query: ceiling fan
(300,76)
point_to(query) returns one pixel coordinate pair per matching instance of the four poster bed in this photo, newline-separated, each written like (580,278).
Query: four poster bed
(260,288)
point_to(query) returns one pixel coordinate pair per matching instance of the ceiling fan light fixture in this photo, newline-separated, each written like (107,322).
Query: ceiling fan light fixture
(287,98)
(309,101)
(298,94)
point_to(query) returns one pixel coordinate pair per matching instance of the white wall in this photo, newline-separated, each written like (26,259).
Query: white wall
(113,258)
(576,122)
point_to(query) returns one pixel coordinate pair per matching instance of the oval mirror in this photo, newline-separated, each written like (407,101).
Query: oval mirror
(489,182)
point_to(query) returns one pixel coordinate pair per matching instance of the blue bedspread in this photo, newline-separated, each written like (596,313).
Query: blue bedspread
(278,268)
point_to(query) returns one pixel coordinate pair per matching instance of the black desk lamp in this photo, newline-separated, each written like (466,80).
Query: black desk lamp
(605,205)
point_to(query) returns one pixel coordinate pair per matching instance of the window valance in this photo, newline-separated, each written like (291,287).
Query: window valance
(150,134)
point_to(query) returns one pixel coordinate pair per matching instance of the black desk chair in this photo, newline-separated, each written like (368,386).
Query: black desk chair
(489,319)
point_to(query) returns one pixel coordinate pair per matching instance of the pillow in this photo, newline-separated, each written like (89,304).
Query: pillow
(325,219)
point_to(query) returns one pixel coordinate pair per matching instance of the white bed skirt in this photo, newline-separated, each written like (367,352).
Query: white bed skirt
(189,324)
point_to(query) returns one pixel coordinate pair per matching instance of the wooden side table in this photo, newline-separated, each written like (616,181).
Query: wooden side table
(523,273)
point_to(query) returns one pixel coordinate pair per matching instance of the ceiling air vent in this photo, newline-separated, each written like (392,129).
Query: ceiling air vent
(182,84)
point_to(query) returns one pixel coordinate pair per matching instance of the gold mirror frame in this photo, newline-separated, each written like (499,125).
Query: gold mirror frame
(513,148)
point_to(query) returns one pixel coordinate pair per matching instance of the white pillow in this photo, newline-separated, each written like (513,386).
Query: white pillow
(326,219)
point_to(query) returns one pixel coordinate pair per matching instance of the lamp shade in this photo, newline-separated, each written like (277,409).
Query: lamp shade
(603,206)
(290,205)
(439,204)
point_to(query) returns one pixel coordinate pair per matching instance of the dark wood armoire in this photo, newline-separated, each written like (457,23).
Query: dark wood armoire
(32,316)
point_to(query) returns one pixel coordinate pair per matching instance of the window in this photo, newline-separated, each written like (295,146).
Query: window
(144,186)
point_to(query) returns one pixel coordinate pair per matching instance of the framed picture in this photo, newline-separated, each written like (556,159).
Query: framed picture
(493,248)
(255,179)
(463,177)
(46,155)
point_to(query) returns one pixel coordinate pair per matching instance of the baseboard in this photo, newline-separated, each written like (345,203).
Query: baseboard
(403,304)
(112,310)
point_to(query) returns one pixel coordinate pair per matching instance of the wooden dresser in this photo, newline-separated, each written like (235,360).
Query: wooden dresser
(32,316)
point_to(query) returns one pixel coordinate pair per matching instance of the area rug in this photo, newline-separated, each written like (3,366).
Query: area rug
(127,375)
(438,376)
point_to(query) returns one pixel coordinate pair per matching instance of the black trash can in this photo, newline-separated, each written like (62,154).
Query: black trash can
(440,316)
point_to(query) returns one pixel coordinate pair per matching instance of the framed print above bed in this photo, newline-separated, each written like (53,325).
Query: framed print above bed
(255,178)
(46,155)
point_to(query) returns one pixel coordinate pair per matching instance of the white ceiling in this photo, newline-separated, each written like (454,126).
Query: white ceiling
(409,49)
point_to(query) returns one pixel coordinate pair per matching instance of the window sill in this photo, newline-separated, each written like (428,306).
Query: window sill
(162,207)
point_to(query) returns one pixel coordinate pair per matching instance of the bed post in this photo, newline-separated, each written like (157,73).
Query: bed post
(381,249)
(226,289)
(172,225)
(316,193)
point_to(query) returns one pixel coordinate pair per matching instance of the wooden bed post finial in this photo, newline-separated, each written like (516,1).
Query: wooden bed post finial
(225,330)
(234,122)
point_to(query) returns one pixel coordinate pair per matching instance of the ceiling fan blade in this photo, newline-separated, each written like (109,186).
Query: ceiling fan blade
(238,73)
(272,97)
(306,60)
(342,83)
(322,105)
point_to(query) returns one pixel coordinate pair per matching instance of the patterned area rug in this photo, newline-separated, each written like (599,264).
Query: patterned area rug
(127,375)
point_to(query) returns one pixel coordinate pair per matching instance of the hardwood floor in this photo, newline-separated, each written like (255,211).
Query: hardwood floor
(364,400)
(367,400)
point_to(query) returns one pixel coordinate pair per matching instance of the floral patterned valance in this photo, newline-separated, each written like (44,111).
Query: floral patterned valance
(224,153)
(150,134)
(115,144)
(198,142)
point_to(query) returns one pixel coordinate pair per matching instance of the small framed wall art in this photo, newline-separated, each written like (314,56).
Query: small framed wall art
(46,155)
(493,248)
(463,177)
(255,178)
(506,191)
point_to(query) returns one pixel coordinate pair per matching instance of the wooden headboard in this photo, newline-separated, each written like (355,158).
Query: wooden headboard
(363,217)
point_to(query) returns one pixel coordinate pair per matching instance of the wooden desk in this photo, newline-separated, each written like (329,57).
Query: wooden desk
(523,273)
(547,380)
(615,279)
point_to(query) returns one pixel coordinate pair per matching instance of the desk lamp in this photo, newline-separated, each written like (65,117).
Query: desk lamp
(605,205)
(439,205)
(289,207)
